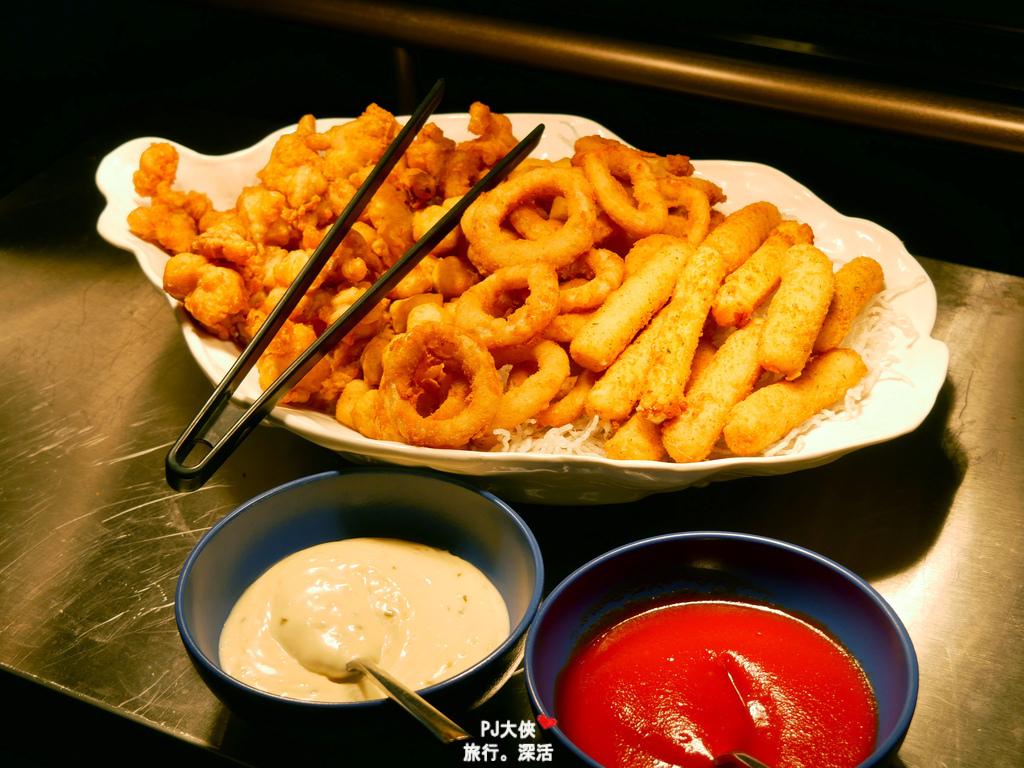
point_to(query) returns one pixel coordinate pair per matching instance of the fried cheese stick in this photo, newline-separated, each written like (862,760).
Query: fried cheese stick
(797,311)
(639,439)
(727,379)
(629,308)
(750,284)
(663,397)
(742,232)
(728,246)
(772,411)
(620,388)
(856,282)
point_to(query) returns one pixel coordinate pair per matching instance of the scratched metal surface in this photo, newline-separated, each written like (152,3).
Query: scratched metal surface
(96,385)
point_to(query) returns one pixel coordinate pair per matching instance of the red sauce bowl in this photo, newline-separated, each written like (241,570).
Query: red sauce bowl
(726,566)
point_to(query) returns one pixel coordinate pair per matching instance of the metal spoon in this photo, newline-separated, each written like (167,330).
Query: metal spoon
(436,722)
(739,758)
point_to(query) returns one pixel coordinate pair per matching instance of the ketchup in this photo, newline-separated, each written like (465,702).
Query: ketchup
(677,684)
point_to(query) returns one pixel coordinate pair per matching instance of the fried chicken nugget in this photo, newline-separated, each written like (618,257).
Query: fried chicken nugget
(214,295)
(751,283)
(797,311)
(742,232)
(772,411)
(725,381)
(629,308)
(855,283)
(639,439)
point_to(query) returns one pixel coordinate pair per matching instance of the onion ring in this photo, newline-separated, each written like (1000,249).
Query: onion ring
(494,247)
(569,407)
(536,391)
(473,310)
(643,214)
(606,270)
(567,326)
(695,224)
(457,352)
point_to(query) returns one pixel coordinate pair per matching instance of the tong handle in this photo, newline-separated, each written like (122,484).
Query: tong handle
(189,477)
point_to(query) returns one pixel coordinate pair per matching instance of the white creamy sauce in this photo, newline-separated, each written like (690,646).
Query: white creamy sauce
(421,613)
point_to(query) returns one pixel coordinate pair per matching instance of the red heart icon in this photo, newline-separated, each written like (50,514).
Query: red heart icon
(546,722)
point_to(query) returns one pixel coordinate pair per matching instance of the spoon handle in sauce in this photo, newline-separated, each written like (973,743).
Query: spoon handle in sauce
(439,724)
(739,758)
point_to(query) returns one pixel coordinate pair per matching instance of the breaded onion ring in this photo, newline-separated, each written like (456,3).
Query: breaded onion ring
(604,270)
(567,326)
(643,213)
(459,354)
(482,309)
(494,247)
(694,224)
(533,393)
(569,407)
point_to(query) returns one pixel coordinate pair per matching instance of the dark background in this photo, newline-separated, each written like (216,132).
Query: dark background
(217,80)
(81,76)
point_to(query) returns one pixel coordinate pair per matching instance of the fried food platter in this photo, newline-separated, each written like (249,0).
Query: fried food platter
(896,404)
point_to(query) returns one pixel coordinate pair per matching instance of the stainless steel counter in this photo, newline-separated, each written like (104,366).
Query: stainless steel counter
(97,383)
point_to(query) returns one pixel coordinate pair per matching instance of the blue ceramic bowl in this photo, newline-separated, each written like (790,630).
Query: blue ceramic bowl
(413,505)
(723,565)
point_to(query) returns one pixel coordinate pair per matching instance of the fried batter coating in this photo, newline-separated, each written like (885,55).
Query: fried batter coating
(751,283)
(158,167)
(725,381)
(639,439)
(494,138)
(664,394)
(223,239)
(769,413)
(290,342)
(260,210)
(742,232)
(172,218)
(350,147)
(636,440)
(634,311)
(215,296)
(629,308)
(797,311)
(295,170)
(855,284)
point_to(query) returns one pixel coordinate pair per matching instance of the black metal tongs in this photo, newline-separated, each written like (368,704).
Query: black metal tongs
(217,430)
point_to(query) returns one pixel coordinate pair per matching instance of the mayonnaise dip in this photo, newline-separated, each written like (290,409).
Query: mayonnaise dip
(421,613)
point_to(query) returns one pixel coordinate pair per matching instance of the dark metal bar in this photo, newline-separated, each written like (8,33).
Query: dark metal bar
(859,102)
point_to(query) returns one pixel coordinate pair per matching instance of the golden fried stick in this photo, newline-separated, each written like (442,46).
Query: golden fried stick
(617,392)
(636,440)
(639,439)
(742,232)
(629,308)
(750,284)
(772,411)
(797,311)
(725,381)
(724,250)
(856,282)
(663,395)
